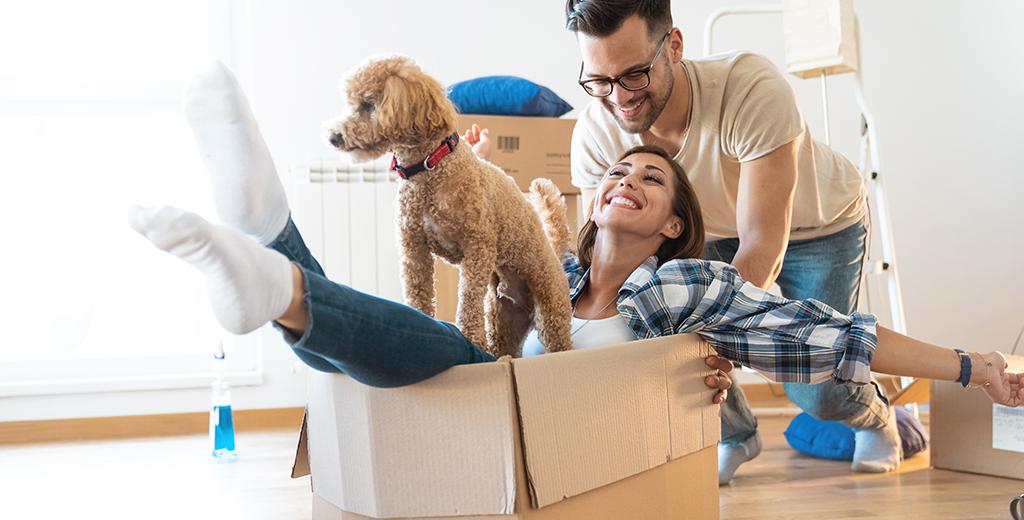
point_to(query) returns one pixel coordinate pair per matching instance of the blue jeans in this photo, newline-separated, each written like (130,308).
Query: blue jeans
(829,270)
(377,342)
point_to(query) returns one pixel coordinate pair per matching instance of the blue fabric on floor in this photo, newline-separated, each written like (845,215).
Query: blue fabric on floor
(822,439)
(832,440)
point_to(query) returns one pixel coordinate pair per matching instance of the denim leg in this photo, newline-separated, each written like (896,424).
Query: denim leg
(829,269)
(377,342)
(290,244)
(738,422)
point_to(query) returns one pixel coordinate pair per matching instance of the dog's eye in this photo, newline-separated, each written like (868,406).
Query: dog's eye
(366,107)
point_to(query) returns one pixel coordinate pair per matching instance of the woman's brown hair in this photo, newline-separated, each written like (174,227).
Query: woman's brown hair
(689,244)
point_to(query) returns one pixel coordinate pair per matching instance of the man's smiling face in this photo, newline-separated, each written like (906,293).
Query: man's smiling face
(628,49)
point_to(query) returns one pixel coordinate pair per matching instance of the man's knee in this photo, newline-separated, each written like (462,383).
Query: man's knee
(821,401)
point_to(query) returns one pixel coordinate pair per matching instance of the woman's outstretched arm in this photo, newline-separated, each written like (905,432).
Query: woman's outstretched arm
(902,355)
(803,341)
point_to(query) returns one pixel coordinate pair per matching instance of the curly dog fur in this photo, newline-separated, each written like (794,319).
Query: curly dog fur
(465,211)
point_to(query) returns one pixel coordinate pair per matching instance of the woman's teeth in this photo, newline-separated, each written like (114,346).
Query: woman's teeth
(623,201)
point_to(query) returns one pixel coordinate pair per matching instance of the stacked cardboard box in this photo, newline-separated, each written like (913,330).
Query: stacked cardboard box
(528,147)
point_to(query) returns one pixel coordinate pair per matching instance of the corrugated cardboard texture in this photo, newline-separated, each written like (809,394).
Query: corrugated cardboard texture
(684,489)
(596,416)
(961,431)
(458,427)
(528,147)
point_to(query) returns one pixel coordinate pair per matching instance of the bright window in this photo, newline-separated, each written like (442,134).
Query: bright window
(90,123)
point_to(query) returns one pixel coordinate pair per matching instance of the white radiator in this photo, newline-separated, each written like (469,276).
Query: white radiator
(346,214)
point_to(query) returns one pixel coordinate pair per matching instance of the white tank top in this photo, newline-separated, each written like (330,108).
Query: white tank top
(587,334)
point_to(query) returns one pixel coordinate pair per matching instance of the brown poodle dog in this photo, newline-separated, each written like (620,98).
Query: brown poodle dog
(461,209)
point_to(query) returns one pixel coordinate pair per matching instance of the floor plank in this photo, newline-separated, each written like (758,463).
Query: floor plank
(174,477)
(154,478)
(782,483)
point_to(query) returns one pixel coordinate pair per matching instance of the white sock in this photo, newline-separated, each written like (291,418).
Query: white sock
(247,192)
(730,457)
(878,451)
(248,284)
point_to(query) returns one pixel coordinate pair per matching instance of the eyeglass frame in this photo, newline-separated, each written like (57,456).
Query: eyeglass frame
(617,80)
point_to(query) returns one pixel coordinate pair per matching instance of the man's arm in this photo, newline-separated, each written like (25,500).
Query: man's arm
(764,208)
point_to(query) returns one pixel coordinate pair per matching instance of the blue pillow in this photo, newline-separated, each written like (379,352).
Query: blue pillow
(823,439)
(832,440)
(506,96)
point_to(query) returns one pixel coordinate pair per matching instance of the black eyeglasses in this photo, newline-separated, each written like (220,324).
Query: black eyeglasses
(633,80)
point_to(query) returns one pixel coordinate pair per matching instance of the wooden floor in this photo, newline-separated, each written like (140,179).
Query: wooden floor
(174,477)
(782,483)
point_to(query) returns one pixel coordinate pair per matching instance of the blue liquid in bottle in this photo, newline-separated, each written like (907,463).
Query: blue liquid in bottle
(222,426)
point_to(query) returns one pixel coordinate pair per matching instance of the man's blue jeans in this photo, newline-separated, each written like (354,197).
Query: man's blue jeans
(377,342)
(828,269)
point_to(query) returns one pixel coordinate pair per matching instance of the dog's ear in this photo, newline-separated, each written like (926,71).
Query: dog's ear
(414,106)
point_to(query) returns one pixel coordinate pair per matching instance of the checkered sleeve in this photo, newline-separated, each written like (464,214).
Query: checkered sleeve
(800,341)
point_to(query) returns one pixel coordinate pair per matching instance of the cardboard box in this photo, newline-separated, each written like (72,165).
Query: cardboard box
(624,431)
(529,147)
(970,433)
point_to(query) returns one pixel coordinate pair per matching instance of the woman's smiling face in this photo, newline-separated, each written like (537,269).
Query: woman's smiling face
(635,197)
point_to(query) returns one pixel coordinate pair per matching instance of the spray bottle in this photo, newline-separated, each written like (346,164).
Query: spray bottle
(222,426)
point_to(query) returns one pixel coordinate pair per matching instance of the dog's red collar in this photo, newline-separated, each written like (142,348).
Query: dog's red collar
(447,146)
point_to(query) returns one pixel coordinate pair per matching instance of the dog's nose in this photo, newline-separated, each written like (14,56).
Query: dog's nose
(336,140)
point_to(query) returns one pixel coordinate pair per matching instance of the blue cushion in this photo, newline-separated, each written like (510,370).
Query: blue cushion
(832,440)
(823,439)
(506,96)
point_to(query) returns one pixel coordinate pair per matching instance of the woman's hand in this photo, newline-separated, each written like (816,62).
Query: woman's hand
(719,380)
(1002,387)
(478,140)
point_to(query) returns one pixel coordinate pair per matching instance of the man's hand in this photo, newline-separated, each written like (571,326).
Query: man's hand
(478,140)
(719,380)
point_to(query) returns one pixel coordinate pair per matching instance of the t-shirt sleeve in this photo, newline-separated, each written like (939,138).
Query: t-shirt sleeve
(759,110)
(587,161)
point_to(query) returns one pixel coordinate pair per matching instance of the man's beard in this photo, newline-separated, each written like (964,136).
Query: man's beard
(655,105)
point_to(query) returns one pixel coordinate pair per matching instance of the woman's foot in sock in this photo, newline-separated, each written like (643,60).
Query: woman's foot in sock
(731,456)
(249,285)
(878,451)
(247,192)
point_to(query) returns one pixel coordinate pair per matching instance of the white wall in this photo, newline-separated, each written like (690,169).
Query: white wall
(943,80)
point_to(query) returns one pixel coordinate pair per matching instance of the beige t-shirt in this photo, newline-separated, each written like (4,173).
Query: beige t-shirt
(743,109)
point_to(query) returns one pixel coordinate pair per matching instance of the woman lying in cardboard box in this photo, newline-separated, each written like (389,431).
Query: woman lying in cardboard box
(638,275)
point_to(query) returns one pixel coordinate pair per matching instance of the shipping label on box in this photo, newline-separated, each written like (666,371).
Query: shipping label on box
(1007,428)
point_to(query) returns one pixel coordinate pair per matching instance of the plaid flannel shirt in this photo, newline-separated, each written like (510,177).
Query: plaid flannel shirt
(798,341)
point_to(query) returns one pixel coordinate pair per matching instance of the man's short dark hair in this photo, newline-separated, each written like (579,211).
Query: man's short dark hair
(599,18)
